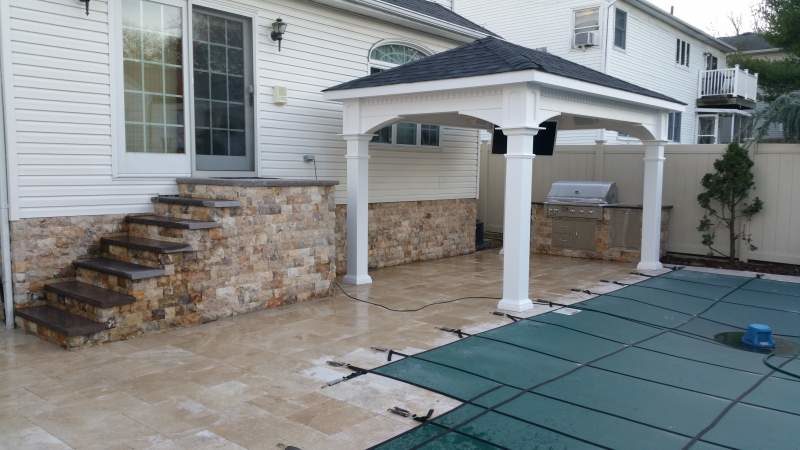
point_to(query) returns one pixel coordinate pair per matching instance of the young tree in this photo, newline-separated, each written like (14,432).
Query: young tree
(780,23)
(726,200)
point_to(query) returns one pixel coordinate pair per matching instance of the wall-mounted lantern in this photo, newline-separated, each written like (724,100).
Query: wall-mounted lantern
(87,5)
(278,28)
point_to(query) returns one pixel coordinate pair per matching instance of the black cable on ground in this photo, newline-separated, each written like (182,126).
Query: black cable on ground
(444,302)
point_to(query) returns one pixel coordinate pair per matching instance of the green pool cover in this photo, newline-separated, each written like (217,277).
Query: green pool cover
(637,368)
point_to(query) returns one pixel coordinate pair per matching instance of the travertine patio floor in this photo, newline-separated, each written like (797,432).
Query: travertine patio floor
(255,381)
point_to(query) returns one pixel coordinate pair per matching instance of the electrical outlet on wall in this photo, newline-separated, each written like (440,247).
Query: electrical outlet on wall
(309,158)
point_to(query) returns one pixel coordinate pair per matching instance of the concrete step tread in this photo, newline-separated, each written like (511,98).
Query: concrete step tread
(120,268)
(60,321)
(172,222)
(152,245)
(191,201)
(90,294)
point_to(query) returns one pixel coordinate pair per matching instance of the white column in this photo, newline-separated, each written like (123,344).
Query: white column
(357,208)
(652,202)
(517,224)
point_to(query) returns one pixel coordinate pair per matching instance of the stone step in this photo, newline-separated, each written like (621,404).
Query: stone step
(172,222)
(87,293)
(150,245)
(60,321)
(122,269)
(200,202)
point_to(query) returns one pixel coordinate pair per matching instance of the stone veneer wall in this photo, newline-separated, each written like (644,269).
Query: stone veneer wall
(278,248)
(43,249)
(542,237)
(406,232)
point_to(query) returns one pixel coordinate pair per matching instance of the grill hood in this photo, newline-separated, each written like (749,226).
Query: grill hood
(582,192)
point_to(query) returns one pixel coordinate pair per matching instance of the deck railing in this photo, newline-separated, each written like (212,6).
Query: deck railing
(734,82)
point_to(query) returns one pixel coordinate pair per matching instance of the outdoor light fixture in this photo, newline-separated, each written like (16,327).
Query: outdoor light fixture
(87,5)
(278,28)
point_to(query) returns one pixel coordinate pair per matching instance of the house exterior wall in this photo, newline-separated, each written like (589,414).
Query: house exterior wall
(58,67)
(648,60)
(536,24)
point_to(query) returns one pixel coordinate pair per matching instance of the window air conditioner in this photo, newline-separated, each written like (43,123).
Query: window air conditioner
(586,39)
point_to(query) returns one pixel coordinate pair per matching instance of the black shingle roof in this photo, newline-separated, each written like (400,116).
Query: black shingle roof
(437,11)
(489,56)
(748,42)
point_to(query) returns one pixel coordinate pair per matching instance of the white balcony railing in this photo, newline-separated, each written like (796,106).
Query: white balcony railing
(734,82)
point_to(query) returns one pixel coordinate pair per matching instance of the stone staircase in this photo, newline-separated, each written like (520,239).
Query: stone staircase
(140,281)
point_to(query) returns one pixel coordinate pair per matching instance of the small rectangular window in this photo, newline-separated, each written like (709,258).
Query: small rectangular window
(620,28)
(683,52)
(586,21)
(407,133)
(707,129)
(383,136)
(674,128)
(430,135)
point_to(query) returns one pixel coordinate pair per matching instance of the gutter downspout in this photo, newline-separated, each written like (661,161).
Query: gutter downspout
(5,231)
(609,42)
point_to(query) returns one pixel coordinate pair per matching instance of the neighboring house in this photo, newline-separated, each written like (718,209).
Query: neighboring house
(103,111)
(756,46)
(640,43)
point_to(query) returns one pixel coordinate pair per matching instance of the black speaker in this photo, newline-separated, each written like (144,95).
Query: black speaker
(544,143)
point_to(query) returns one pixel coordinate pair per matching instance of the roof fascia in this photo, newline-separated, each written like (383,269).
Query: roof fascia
(522,76)
(407,18)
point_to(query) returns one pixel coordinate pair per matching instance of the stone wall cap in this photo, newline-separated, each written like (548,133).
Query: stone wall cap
(256,182)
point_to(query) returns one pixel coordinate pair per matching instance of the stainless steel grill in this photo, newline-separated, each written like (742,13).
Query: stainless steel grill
(582,192)
(576,207)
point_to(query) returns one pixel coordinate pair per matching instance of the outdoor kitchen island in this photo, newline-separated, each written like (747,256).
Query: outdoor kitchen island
(584,220)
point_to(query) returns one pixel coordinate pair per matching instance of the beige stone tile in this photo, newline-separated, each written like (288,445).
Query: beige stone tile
(18,433)
(255,381)
(331,416)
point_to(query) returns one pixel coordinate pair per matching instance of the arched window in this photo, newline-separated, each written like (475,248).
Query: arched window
(385,57)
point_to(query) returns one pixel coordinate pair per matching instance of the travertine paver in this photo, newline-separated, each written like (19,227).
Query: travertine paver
(254,381)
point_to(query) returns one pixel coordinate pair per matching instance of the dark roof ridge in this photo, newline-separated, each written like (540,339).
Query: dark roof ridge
(518,60)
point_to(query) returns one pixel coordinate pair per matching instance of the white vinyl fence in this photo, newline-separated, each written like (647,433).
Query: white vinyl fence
(776,230)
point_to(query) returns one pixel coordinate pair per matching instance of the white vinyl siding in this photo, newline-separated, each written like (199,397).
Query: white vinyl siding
(649,61)
(538,24)
(62,103)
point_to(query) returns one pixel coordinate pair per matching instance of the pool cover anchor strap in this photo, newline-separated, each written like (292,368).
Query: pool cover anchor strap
(456,331)
(507,316)
(357,372)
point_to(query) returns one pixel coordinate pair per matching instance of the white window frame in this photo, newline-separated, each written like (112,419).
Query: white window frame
(140,165)
(625,40)
(166,165)
(252,14)
(573,26)
(716,128)
(383,65)
(683,54)
(677,125)
(418,140)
